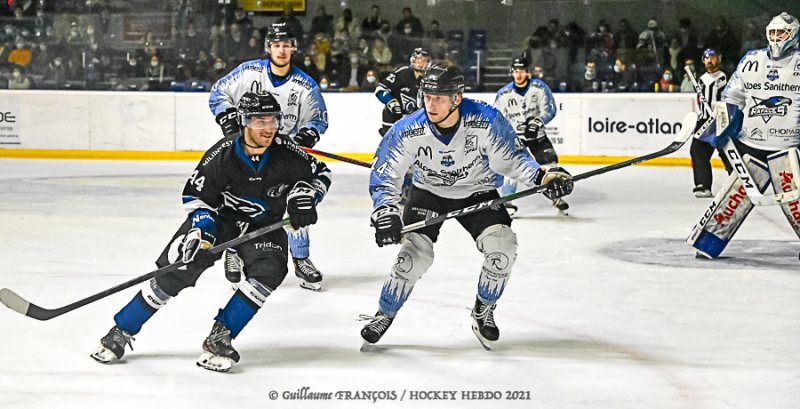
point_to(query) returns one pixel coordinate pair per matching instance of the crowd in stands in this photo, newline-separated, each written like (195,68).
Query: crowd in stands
(64,44)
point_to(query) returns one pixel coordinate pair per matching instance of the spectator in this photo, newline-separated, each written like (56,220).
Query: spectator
(105,20)
(219,70)
(385,33)
(626,38)
(190,43)
(722,39)
(56,74)
(434,33)
(293,25)
(381,55)
(217,41)
(132,69)
(322,23)
(374,22)
(370,82)
(687,37)
(676,54)
(156,69)
(591,82)
(626,77)
(347,23)
(74,36)
(344,39)
(40,23)
(601,42)
(403,45)
(21,56)
(318,59)
(40,60)
(202,66)
(535,53)
(554,51)
(323,43)
(687,85)
(242,20)
(364,52)
(252,51)
(665,84)
(19,81)
(416,25)
(351,78)
(654,41)
(235,44)
(541,74)
(324,85)
(310,69)
(90,38)
(9,34)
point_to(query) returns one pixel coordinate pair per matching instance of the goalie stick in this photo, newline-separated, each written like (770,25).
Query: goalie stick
(685,133)
(756,197)
(13,301)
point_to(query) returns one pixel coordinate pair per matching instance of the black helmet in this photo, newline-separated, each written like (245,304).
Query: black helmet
(518,64)
(442,81)
(278,32)
(419,52)
(252,104)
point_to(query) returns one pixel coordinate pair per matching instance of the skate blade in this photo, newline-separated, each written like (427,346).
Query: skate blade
(487,345)
(103,355)
(564,212)
(310,286)
(214,363)
(364,345)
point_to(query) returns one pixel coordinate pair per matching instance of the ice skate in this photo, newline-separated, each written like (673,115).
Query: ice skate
(702,192)
(483,324)
(233,268)
(112,346)
(372,332)
(310,277)
(562,206)
(218,353)
(511,208)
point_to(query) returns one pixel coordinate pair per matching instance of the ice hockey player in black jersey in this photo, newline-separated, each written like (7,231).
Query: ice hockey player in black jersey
(399,89)
(240,184)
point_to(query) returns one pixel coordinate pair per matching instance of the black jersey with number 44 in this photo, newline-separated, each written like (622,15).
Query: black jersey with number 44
(252,189)
(402,85)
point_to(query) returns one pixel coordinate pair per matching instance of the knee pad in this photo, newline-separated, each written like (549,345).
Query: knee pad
(255,291)
(783,166)
(727,211)
(498,243)
(414,259)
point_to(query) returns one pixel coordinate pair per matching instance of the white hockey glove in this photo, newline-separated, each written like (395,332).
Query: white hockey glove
(388,225)
(394,107)
(301,204)
(195,250)
(556,180)
(532,129)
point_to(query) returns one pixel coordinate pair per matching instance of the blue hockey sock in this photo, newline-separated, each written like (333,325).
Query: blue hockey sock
(146,302)
(394,294)
(243,306)
(299,242)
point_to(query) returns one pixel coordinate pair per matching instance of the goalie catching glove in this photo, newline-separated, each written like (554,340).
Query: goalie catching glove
(228,122)
(301,204)
(556,180)
(388,225)
(200,239)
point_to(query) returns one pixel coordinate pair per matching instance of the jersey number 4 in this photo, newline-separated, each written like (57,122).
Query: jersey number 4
(197,181)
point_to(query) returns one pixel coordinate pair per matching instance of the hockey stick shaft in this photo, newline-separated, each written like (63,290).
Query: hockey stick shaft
(681,139)
(338,157)
(698,91)
(13,301)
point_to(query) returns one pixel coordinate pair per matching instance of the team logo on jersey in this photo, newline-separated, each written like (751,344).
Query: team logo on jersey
(256,88)
(412,132)
(293,99)
(409,104)
(750,66)
(248,207)
(756,135)
(773,74)
(447,160)
(290,117)
(498,260)
(512,102)
(477,123)
(425,151)
(277,191)
(471,143)
(773,106)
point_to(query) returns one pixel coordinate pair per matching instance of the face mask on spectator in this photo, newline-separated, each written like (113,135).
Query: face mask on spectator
(9,30)
(90,31)
(353,60)
(307,63)
(16,74)
(218,65)
(153,63)
(43,47)
(57,62)
(132,63)
(323,86)
(602,29)
(616,68)
(590,75)
(20,45)
(667,77)
(407,30)
(370,79)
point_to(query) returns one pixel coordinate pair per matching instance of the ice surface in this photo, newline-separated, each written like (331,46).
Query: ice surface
(605,309)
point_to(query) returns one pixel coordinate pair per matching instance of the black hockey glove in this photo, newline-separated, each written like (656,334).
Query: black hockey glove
(388,225)
(556,180)
(195,250)
(229,124)
(307,137)
(394,107)
(532,129)
(302,205)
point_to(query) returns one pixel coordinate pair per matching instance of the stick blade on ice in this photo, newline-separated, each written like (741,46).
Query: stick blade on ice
(13,301)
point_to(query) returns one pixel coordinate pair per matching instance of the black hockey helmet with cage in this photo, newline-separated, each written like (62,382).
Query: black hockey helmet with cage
(442,81)
(253,104)
(278,32)
(420,52)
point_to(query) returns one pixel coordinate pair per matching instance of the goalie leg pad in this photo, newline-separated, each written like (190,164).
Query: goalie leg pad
(414,259)
(784,166)
(498,243)
(727,211)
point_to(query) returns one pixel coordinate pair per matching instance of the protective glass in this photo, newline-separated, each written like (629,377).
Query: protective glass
(262,122)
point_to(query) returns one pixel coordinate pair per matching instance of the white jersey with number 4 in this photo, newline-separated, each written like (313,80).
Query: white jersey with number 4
(768,93)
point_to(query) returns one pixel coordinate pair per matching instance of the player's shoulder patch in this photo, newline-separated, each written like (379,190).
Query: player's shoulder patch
(286,143)
(506,89)
(302,79)
(538,84)
(411,126)
(216,150)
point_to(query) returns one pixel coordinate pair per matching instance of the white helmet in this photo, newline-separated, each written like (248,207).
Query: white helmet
(782,35)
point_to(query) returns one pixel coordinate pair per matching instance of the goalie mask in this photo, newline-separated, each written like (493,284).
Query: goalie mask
(782,36)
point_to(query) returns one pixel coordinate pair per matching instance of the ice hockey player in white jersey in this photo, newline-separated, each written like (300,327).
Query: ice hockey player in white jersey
(760,113)
(305,118)
(460,149)
(712,83)
(529,105)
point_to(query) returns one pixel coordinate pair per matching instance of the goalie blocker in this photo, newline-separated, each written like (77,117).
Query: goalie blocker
(731,205)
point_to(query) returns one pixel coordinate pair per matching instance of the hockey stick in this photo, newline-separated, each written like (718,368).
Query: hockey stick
(685,133)
(13,301)
(756,197)
(337,157)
